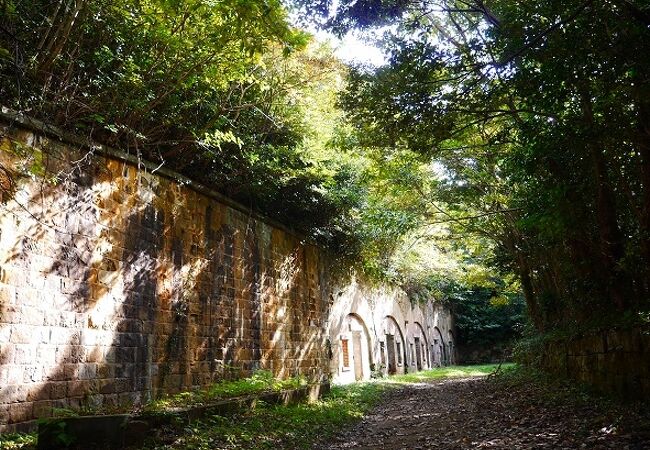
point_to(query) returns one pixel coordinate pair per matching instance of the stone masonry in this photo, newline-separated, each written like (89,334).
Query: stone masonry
(611,360)
(119,282)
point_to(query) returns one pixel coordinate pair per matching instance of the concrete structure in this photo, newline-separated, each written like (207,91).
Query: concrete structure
(120,281)
(377,330)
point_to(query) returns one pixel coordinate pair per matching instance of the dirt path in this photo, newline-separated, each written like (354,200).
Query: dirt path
(477,413)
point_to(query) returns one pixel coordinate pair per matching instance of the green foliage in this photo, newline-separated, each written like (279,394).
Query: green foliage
(16,441)
(66,412)
(301,426)
(296,426)
(260,381)
(537,121)
(227,93)
(171,64)
(528,351)
(61,434)
(484,319)
(499,141)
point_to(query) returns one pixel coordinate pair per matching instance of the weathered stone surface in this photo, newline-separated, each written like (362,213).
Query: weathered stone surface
(614,361)
(117,284)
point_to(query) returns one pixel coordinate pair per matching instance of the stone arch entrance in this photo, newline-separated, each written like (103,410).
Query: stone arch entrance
(421,345)
(438,351)
(355,360)
(394,346)
(451,351)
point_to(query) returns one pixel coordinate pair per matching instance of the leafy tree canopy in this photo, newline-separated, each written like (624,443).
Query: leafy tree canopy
(504,147)
(536,118)
(226,92)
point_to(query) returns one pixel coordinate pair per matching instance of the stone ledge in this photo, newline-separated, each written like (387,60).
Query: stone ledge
(118,431)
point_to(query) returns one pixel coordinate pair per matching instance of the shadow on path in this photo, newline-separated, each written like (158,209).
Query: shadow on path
(476,413)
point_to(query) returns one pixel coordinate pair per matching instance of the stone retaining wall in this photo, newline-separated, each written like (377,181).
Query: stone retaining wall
(613,361)
(120,280)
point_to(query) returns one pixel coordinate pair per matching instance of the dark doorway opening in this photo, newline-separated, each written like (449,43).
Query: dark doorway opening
(392,363)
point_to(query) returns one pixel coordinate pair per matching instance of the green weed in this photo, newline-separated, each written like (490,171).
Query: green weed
(295,427)
(20,441)
(261,381)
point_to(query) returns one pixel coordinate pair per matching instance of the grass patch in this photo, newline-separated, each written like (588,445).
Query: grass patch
(273,427)
(276,427)
(450,372)
(301,426)
(261,381)
(17,441)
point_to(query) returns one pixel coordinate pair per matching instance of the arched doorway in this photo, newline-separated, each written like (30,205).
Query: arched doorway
(438,352)
(394,346)
(421,346)
(355,358)
(451,349)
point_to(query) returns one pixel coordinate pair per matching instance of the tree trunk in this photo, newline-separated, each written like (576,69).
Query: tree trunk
(529,293)
(610,236)
(513,246)
(56,45)
(643,142)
